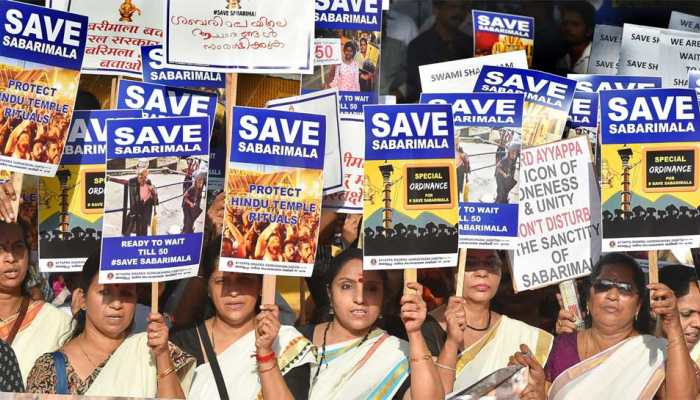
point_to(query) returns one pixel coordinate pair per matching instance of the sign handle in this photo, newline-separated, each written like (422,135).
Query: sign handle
(570,301)
(461,266)
(154,297)
(302,301)
(113,92)
(653,262)
(16,180)
(269,285)
(410,275)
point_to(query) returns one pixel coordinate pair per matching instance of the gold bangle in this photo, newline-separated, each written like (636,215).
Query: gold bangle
(262,371)
(443,366)
(167,372)
(424,357)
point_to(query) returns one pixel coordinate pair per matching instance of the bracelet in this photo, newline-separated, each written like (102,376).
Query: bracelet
(270,368)
(443,366)
(265,358)
(167,372)
(424,357)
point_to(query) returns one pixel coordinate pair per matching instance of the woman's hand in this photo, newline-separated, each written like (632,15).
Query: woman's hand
(663,305)
(157,332)
(7,197)
(413,308)
(456,319)
(267,327)
(566,321)
(535,389)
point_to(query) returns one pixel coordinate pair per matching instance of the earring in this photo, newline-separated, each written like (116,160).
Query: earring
(380,316)
(331,312)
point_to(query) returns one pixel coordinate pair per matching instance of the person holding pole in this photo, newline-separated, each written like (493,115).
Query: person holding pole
(474,341)
(223,344)
(30,327)
(615,346)
(102,358)
(356,359)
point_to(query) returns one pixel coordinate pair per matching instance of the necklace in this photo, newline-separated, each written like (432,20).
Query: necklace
(488,325)
(2,320)
(94,364)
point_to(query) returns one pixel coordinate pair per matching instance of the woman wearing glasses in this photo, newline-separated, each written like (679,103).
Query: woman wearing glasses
(475,341)
(614,358)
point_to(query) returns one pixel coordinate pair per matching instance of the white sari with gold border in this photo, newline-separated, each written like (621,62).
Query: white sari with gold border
(492,351)
(355,370)
(240,370)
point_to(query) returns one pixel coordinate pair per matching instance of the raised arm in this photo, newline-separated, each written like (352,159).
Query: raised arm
(266,331)
(455,317)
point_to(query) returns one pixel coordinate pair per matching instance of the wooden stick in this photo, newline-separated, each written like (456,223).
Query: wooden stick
(154,297)
(461,266)
(409,275)
(302,301)
(113,93)
(653,266)
(16,180)
(269,286)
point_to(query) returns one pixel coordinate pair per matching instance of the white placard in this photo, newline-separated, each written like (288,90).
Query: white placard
(353,158)
(241,36)
(639,51)
(559,234)
(460,75)
(680,54)
(605,50)
(327,51)
(684,22)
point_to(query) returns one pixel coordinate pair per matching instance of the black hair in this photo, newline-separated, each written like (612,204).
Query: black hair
(86,101)
(642,322)
(24,228)
(351,46)
(363,39)
(678,278)
(582,8)
(82,281)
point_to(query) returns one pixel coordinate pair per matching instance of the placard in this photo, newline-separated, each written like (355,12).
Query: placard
(496,33)
(460,75)
(72,202)
(694,79)
(548,99)
(684,22)
(257,37)
(649,199)
(273,190)
(605,50)
(327,51)
(349,200)
(165,101)
(153,224)
(155,71)
(41,53)
(679,53)
(559,215)
(116,32)
(639,51)
(488,152)
(410,206)
(324,103)
(357,26)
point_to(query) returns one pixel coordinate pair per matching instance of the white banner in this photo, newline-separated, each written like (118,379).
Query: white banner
(559,215)
(684,22)
(240,36)
(605,50)
(460,75)
(349,200)
(327,51)
(680,53)
(639,51)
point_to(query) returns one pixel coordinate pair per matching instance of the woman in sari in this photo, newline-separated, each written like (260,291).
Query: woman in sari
(22,320)
(473,341)
(223,344)
(103,359)
(355,359)
(613,358)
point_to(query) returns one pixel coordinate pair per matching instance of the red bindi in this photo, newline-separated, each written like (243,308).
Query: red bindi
(360,279)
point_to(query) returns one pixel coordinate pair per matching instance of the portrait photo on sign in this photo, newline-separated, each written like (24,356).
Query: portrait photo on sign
(155,196)
(487,164)
(277,227)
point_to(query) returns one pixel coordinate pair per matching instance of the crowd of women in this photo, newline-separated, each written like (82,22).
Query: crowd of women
(362,344)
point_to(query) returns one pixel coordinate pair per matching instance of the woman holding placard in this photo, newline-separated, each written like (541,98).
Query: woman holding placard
(475,341)
(614,347)
(357,360)
(30,327)
(241,355)
(102,358)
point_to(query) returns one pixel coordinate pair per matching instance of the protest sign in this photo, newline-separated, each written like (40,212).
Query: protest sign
(357,25)
(155,71)
(684,22)
(488,149)
(605,50)
(165,101)
(151,238)
(323,103)
(274,185)
(650,143)
(496,33)
(349,200)
(70,213)
(460,75)
(240,36)
(639,51)
(547,99)
(559,215)
(410,206)
(694,80)
(679,53)
(116,32)
(40,57)
(583,117)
